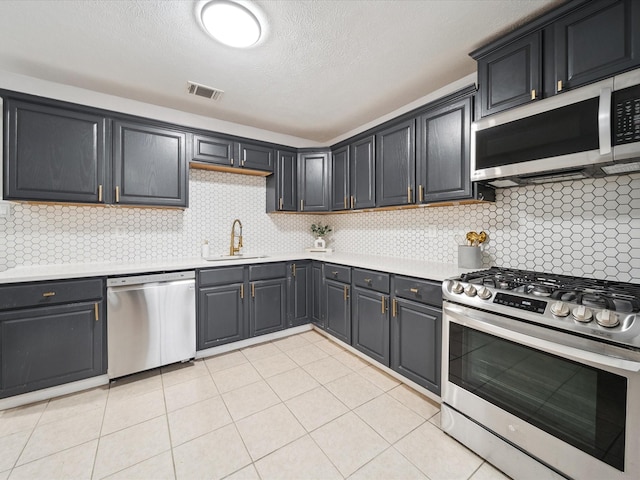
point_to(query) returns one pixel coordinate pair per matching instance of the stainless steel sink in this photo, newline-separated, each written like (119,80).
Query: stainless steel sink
(239,256)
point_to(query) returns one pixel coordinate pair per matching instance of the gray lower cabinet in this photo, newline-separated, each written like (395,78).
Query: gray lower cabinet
(370,314)
(54,153)
(51,333)
(337,297)
(317,296)
(299,293)
(370,324)
(149,165)
(268,303)
(416,331)
(221,315)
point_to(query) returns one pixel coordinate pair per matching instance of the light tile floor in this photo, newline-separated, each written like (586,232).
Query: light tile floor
(297,408)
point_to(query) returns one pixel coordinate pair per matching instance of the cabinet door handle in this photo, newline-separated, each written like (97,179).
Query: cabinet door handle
(383,306)
(242,291)
(231,161)
(421,193)
(253,290)
(242,162)
(559,85)
(293,269)
(413,290)
(95,311)
(48,294)
(99,193)
(353,201)
(533,94)
(346,202)
(302,205)
(117,194)
(394,308)
(409,195)
(281,204)
(346,293)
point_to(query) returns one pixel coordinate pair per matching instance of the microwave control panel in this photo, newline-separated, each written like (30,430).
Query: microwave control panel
(626,111)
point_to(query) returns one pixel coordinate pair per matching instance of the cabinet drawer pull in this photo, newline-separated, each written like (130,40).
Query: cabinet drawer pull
(559,85)
(99,193)
(242,291)
(367,280)
(117,194)
(253,290)
(335,273)
(346,293)
(95,311)
(48,294)
(394,308)
(533,94)
(413,290)
(421,193)
(383,307)
(281,203)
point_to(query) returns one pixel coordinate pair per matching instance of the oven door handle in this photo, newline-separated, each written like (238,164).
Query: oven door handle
(479,321)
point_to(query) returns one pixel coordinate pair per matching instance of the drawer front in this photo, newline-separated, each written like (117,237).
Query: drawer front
(337,272)
(267,270)
(369,279)
(221,276)
(50,293)
(422,291)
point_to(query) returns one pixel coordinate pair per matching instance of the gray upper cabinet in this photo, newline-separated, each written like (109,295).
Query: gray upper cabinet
(362,170)
(255,157)
(596,41)
(215,150)
(149,165)
(233,154)
(577,43)
(54,153)
(443,165)
(511,76)
(313,181)
(282,186)
(396,164)
(340,187)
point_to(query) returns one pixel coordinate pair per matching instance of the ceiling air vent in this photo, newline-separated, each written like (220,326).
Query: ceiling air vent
(204,91)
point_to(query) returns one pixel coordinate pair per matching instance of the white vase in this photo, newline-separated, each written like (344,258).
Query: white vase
(319,243)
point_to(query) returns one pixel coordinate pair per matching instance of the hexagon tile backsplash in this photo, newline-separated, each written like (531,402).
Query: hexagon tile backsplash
(585,228)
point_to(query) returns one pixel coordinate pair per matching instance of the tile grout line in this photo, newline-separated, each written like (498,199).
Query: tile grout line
(33,429)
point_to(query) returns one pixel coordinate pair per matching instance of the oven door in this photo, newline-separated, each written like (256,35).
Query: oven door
(572,403)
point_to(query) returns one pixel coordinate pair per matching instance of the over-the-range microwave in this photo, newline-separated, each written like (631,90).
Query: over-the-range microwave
(591,131)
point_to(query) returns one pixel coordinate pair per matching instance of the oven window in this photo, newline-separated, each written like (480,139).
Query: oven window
(578,404)
(566,130)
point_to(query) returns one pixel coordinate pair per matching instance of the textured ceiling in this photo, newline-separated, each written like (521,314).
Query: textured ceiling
(322,69)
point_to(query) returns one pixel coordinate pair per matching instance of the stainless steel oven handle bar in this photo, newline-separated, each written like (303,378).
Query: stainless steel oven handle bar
(530,336)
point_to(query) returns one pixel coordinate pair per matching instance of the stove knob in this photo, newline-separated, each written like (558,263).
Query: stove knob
(457,287)
(582,314)
(470,291)
(560,309)
(484,293)
(607,318)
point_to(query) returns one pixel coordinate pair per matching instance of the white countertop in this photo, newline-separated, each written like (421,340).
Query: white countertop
(413,268)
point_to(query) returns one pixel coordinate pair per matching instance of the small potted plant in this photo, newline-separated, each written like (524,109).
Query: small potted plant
(320,231)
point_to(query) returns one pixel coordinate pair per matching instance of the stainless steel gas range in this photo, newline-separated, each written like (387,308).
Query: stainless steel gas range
(541,373)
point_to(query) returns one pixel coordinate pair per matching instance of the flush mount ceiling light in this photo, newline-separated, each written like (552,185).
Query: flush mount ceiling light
(230,23)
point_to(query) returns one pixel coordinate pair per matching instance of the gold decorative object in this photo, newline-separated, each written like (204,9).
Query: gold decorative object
(475,239)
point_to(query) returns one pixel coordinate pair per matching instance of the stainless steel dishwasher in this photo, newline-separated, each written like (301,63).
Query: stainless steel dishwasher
(151,321)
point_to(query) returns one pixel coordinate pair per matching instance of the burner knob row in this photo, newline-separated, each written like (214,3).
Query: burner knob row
(606,318)
(470,291)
